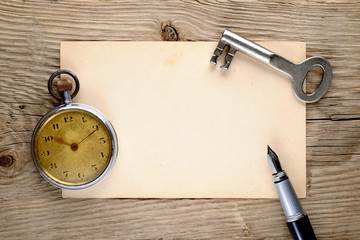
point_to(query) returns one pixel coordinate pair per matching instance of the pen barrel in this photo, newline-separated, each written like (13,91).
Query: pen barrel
(296,218)
(301,229)
(289,201)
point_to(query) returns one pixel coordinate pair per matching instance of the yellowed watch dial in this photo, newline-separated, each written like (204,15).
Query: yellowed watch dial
(73,147)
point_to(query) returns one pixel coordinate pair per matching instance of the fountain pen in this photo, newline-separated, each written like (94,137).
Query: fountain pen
(296,218)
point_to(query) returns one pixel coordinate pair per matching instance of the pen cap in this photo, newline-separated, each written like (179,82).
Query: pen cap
(301,229)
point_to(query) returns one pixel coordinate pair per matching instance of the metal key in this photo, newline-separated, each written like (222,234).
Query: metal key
(296,71)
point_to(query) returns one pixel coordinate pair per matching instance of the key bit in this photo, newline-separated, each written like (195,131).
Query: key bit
(228,58)
(218,51)
(223,43)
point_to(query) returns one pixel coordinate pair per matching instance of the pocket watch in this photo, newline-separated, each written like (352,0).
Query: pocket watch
(73,146)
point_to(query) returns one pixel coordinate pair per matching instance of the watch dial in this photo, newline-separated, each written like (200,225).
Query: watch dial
(73,147)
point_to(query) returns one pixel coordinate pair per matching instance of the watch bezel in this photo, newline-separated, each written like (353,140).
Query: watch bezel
(102,118)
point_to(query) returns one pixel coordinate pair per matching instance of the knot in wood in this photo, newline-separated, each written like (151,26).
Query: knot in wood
(169,33)
(6,160)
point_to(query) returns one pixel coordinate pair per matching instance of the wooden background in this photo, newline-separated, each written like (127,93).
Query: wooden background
(30,36)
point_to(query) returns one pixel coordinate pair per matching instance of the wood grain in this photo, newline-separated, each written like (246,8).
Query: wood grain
(31,32)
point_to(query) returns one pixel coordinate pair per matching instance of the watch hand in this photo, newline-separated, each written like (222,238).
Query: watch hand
(88,136)
(59,140)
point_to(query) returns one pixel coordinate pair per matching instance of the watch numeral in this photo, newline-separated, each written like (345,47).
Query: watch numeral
(102,140)
(53,165)
(66,173)
(48,138)
(81,174)
(94,167)
(56,126)
(45,153)
(83,119)
(96,127)
(68,119)
(102,154)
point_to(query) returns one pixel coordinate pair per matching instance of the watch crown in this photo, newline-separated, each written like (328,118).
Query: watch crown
(64,85)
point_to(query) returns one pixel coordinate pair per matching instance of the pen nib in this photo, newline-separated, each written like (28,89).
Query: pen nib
(273,161)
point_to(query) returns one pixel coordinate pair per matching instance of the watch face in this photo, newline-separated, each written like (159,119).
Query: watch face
(72,147)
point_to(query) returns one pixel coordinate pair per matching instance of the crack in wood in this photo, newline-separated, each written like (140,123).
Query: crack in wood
(345,117)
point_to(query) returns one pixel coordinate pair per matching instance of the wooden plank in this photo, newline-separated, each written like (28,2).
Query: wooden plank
(31,32)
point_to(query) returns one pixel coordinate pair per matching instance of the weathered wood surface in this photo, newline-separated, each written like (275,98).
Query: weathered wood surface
(30,36)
